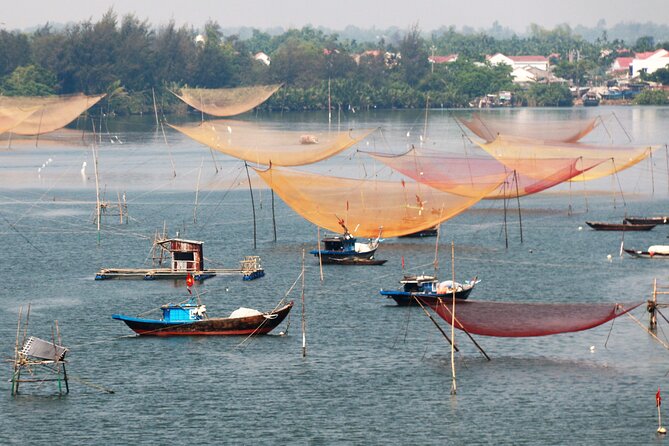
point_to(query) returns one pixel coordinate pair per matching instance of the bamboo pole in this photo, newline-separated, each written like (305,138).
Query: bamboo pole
(304,318)
(520,216)
(197,192)
(453,383)
(253,206)
(155,108)
(320,257)
(16,375)
(436,324)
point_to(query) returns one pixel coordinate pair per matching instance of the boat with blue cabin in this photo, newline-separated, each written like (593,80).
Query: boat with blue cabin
(346,250)
(190,318)
(429,289)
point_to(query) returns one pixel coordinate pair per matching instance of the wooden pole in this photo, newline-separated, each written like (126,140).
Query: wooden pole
(253,206)
(453,383)
(197,191)
(320,257)
(653,315)
(520,217)
(155,108)
(16,375)
(435,323)
(97,184)
(273,216)
(652,176)
(304,318)
(506,233)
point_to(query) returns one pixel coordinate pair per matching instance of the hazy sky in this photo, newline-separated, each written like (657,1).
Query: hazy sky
(337,14)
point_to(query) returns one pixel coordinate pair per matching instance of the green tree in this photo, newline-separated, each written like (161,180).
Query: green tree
(550,95)
(30,80)
(652,97)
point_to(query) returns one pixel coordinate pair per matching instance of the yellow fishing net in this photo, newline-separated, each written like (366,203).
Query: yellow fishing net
(224,102)
(11,116)
(365,205)
(488,126)
(49,112)
(267,145)
(611,159)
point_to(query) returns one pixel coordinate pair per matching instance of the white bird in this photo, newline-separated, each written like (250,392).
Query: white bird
(83,168)
(592,348)
(609,258)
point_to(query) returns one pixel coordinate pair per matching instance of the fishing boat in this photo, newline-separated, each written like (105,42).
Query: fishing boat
(346,250)
(661,220)
(429,289)
(190,319)
(590,99)
(653,252)
(624,226)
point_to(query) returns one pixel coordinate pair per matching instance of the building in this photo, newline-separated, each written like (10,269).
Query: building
(539,62)
(262,57)
(649,62)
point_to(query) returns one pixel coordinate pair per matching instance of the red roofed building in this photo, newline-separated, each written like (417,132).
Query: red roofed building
(443,59)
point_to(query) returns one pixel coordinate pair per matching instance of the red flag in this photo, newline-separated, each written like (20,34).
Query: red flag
(189,280)
(658,398)
(402,262)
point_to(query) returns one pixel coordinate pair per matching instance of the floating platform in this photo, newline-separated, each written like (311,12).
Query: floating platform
(250,269)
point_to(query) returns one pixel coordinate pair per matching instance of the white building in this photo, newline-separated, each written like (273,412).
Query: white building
(649,62)
(539,62)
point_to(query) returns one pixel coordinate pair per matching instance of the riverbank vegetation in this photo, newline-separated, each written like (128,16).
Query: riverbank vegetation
(133,63)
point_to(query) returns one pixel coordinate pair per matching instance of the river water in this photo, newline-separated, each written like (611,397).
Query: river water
(374,373)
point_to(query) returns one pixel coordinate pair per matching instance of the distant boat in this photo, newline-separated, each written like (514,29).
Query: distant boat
(190,319)
(429,289)
(590,99)
(653,252)
(663,220)
(602,226)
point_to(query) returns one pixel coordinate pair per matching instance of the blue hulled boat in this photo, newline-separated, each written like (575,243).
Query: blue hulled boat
(429,289)
(346,250)
(190,319)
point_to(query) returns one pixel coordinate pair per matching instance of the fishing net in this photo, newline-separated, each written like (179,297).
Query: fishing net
(267,145)
(11,116)
(612,159)
(471,176)
(365,206)
(49,112)
(516,319)
(224,102)
(488,126)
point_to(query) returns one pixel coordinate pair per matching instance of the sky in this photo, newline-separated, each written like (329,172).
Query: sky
(338,14)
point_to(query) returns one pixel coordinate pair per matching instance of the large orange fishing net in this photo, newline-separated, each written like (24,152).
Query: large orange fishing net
(366,206)
(488,126)
(266,145)
(48,113)
(223,102)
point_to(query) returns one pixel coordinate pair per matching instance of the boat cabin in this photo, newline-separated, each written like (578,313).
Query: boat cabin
(417,284)
(339,243)
(186,255)
(189,311)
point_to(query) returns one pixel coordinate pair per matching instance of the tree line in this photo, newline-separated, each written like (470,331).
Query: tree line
(133,62)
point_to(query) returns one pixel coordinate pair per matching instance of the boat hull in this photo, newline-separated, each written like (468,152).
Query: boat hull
(647,220)
(601,226)
(406,299)
(345,257)
(259,324)
(646,254)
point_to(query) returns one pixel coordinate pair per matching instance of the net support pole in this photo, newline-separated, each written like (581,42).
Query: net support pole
(273,216)
(253,206)
(520,216)
(304,315)
(453,383)
(443,333)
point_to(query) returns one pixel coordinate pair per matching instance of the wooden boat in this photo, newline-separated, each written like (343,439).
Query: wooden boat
(590,99)
(653,252)
(663,220)
(190,319)
(346,250)
(428,289)
(602,226)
